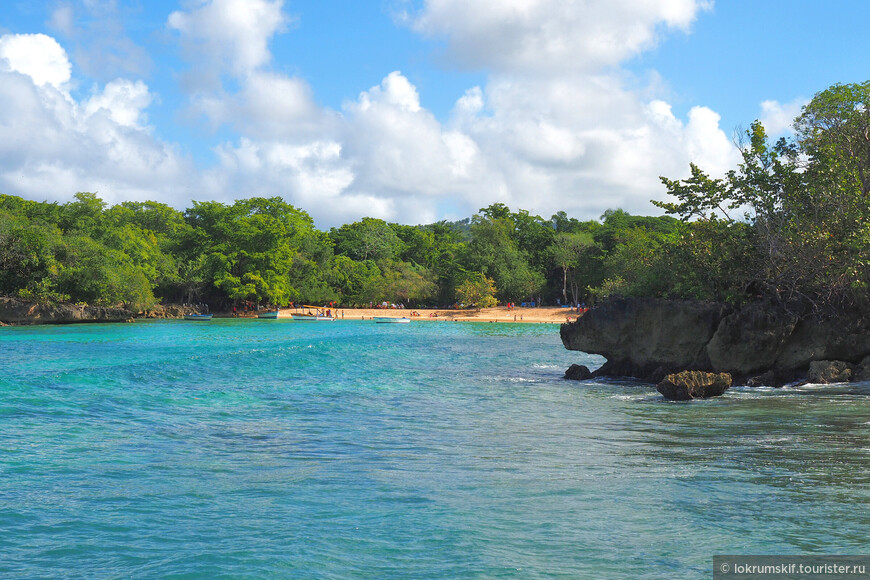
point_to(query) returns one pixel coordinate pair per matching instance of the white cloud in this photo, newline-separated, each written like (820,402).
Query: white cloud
(123,100)
(395,90)
(535,36)
(94,33)
(268,106)
(553,128)
(778,118)
(52,146)
(36,55)
(229,35)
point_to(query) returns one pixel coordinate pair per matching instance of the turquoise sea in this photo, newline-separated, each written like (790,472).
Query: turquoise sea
(274,449)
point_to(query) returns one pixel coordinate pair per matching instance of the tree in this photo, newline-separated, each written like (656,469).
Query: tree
(493,252)
(834,130)
(252,246)
(369,239)
(567,250)
(477,290)
(357,283)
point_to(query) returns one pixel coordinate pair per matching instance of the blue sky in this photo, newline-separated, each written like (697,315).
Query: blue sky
(407,110)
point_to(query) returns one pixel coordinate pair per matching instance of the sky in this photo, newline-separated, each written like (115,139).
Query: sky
(411,111)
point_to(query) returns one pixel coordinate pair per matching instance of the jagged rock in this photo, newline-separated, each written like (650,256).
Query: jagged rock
(823,372)
(767,379)
(689,385)
(578,373)
(640,335)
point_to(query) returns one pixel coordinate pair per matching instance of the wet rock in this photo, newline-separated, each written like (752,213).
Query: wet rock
(823,372)
(767,379)
(578,373)
(639,336)
(689,385)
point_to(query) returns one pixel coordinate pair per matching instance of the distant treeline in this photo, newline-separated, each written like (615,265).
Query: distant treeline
(267,251)
(790,224)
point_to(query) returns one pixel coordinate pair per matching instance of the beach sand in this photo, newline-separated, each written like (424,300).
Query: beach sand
(554,315)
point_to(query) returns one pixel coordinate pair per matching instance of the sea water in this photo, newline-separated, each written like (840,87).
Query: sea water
(249,448)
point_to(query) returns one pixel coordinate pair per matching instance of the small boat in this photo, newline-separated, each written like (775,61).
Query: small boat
(314,314)
(390,319)
(313,317)
(270,314)
(197,316)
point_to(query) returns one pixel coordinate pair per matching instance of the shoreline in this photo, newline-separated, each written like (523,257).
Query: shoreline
(539,315)
(14,312)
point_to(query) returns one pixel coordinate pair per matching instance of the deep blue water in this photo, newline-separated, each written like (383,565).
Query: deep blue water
(242,448)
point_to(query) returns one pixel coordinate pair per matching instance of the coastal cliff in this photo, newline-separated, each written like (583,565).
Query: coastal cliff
(649,338)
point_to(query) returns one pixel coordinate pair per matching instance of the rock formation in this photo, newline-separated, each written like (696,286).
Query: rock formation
(648,338)
(578,373)
(14,311)
(689,385)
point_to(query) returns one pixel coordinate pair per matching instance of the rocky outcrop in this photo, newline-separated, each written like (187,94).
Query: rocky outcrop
(758,343)
(823,372)
(689,385)
(639,336)
(170,311)
(13,311)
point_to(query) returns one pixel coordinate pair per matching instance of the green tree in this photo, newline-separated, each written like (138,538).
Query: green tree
(251,246)
(29,267)
(568,250)
(493,252)
(477,290)
(368,239)
(357,283)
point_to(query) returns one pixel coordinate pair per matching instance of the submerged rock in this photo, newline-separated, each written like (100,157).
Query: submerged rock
(689,385)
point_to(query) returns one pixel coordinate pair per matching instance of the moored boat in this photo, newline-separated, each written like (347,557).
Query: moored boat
(197,316)
(314,314)
(313,317)
(390,319)
(269,314)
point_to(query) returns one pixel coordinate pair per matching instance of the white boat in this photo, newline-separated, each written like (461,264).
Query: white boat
(390,319)
(197,316)
(270,314)
(314,314)
(313,318)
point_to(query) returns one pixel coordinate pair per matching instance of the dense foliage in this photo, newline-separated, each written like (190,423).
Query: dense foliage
(266,251)
(790,224)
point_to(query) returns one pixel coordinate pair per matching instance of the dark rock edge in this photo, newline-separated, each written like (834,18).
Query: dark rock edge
(758,344)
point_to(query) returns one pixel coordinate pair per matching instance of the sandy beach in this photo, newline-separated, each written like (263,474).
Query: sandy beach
(553,315)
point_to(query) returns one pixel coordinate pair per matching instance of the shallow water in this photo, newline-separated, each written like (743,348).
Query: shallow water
(243,448)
